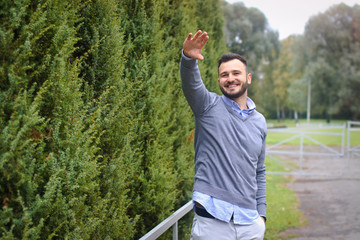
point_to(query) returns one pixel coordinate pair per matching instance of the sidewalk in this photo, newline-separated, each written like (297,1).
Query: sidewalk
(331,206)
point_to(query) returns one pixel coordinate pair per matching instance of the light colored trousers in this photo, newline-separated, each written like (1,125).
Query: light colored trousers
(213,229)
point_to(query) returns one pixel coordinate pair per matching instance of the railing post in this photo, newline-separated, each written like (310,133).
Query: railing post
(175,231)
(171,221)
(348,145)
(343,141)
(343,165)
(301,152)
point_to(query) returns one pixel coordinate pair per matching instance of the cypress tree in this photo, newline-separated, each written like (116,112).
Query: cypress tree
(210,18)
(59,195)
(96,136)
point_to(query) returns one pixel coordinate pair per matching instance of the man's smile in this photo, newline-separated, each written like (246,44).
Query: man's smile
(233,85)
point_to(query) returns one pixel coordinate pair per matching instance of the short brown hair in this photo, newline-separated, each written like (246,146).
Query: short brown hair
(231,56)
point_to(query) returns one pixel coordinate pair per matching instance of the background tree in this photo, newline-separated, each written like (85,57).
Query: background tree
(297,91)
(51,123)
(332,52)
(245,28)
(326,56)
(287,84)
(263,86)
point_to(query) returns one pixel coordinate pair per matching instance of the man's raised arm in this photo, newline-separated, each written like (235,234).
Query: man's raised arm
(194,89)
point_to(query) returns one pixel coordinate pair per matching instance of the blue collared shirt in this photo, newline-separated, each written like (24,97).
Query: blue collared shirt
(218,208)
(243,113)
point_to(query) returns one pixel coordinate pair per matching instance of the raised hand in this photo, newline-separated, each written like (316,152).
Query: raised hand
(193,46)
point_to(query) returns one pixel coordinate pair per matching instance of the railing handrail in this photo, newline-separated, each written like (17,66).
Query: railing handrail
(168,222)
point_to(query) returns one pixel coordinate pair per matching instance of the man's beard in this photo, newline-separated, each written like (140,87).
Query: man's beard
(235,94)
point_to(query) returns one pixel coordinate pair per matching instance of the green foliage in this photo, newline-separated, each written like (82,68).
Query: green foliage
(248,34)
(332,60)
(96,136)
(327,55)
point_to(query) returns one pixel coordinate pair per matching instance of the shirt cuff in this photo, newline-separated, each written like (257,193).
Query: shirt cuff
(184,56)
(187,62)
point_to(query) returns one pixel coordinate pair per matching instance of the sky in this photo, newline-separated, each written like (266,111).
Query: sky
(290,16)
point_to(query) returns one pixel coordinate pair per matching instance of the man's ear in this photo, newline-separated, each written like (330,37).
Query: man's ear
(249,78)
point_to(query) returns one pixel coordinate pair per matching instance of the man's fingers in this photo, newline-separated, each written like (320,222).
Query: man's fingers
(197,34)
(194,43)
(189,36)
(204,38)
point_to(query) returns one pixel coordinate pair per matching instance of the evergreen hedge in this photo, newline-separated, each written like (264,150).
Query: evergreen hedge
(96,136)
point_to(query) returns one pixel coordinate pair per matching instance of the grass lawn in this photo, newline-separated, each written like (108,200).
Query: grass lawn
(292,123)
(330,140)
(282,203)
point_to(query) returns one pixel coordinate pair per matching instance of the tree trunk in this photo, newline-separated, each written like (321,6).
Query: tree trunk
(296,117)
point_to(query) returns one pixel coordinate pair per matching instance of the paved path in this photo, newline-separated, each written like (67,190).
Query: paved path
(330,204)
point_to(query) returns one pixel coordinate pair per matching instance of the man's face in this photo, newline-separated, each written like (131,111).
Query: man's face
(233,79)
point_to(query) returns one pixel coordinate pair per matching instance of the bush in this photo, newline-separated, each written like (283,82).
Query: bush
(96,136)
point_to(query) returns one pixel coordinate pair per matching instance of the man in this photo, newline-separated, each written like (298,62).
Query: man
(229,184)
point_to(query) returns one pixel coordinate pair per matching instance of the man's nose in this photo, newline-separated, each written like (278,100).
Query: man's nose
(231,77)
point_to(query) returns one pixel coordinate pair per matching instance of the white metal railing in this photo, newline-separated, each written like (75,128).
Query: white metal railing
(171,221)
(307,132)
(352,151)
(351,128)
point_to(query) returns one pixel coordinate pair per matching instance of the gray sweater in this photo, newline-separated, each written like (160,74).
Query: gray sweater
(229,149)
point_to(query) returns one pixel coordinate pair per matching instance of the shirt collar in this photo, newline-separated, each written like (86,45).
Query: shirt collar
(231,103)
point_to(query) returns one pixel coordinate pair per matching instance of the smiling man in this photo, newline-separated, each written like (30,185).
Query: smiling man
(229,185)
(234,78)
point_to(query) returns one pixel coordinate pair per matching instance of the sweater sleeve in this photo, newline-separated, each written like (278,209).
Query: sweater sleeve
(261,181)
(192,85)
